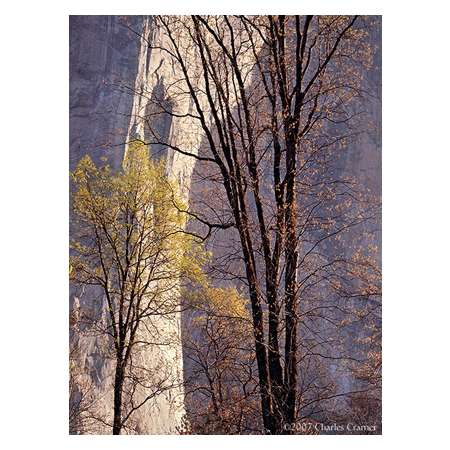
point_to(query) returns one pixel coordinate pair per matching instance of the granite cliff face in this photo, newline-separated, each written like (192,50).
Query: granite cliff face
(113,73)
(103,65)
(118,79)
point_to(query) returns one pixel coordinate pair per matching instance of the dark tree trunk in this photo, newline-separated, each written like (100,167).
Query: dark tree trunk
(291,253)
(118,388)
(275,369)
(260,348)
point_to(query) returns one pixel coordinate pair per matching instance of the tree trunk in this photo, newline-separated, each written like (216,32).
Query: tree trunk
(118,387)
(261,358)
(275,369)
(291,252)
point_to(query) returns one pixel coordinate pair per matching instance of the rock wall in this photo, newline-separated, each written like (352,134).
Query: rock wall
(113,73)
(103,65)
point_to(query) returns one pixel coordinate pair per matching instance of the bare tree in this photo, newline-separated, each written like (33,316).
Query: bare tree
(221,387)
(272,95)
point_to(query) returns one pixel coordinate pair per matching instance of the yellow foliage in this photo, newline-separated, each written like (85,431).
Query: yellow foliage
(131,224)
(220,303)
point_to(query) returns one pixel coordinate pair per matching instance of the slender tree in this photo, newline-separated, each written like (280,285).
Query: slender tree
(129,241)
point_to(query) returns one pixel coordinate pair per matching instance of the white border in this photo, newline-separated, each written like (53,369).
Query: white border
(34,223)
